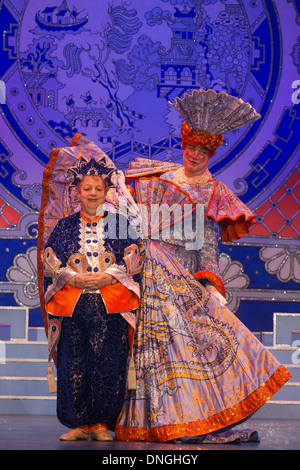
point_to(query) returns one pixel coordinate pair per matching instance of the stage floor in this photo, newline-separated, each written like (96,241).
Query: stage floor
(32,432)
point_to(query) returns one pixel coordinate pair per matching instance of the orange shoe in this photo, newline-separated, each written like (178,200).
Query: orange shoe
(98,433)
(78,434)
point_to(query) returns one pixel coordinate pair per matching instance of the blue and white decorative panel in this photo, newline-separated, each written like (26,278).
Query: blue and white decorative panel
(107,69)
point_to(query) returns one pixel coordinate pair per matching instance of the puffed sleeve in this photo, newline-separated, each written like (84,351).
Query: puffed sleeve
(60,298)
(233,215)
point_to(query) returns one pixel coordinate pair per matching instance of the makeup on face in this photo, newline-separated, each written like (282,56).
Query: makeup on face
(195,160)
(92,192)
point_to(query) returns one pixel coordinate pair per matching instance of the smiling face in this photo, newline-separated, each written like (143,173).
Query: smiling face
(92,192)
(195,160)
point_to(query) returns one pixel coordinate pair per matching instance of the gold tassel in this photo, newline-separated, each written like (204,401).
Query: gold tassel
(51,379)
(131,375)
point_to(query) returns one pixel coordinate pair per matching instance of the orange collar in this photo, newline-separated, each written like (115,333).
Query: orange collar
(87,219)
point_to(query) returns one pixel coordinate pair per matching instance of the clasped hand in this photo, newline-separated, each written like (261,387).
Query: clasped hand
(90,281)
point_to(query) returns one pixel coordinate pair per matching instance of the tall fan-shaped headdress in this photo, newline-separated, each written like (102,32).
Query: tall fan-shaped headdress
(209,115)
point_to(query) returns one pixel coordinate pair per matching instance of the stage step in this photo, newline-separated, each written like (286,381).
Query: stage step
(23,367)
(20,405)
(24,386)
(286,328)
(23,377)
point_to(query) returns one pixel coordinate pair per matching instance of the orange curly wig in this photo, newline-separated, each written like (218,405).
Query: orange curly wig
(200,139)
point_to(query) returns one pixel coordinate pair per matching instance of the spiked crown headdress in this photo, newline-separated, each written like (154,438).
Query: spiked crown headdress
(92,167)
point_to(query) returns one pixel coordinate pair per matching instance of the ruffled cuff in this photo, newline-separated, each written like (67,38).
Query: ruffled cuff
(60,298)
(212,278)
(121,275)
(59,281)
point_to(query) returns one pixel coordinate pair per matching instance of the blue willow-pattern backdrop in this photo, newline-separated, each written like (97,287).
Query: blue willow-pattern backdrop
(107,69)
